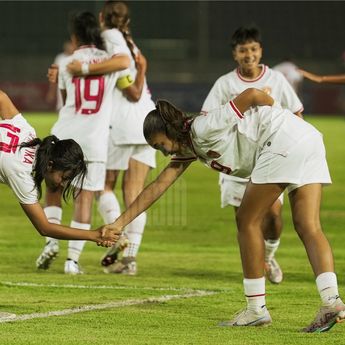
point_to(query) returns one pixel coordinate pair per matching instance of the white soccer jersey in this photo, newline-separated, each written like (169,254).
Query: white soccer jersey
(85,117)
(230,85)
(128,117)
(15,163)
(230,142)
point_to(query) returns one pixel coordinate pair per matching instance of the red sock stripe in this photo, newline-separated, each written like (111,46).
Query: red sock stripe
(238,113)
(253,296)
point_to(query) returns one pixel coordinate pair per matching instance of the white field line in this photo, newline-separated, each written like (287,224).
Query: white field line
(109,305)
(105,287)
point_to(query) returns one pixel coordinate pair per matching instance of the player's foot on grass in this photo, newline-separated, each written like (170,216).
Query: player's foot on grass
(273,271)
(248,317)
(327,317)
(7,316)
(126,265)
(112,254)
(49,253)
(72,267)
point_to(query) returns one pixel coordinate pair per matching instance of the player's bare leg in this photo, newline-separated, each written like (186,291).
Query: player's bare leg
(256,200)
(272,228)
(305,205)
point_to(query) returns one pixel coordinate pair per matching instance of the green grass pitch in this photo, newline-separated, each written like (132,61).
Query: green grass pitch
(189,249)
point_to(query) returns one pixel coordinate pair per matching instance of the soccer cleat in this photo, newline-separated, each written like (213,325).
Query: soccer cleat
(273,271)
(327,317)
(126,265)
(7,316)
(111,255)
(248,317)
(49,253)
(72,267)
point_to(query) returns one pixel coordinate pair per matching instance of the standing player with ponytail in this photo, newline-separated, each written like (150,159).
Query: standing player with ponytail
(128,150)
(85,118)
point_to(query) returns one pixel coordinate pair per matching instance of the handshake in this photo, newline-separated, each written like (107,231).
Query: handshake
(108,235)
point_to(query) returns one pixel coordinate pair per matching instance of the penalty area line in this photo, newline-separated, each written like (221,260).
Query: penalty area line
(110,305)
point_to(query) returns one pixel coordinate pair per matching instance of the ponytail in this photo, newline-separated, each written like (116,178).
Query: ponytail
(167,119)
(116,15)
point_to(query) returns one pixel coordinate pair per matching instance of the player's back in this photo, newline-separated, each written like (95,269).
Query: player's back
(86,114)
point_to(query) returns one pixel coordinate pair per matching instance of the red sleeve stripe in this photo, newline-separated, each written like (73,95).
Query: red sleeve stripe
(234,108)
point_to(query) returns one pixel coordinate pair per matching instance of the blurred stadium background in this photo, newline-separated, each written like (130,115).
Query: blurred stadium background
(186,44)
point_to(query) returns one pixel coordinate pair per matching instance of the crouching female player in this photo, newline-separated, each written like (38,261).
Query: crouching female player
(25,161)
(248,137)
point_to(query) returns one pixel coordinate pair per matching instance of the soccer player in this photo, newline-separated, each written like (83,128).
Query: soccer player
(279,151)
(247,52)
(330,79)
(53,91)
(291,73)
(85,117)
(128,150)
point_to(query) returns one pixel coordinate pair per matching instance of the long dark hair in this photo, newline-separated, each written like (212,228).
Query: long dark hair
(84,26)
(116,15)
(60,155)
(167,119)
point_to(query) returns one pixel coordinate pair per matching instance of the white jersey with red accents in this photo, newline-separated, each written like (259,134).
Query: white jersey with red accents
(85,117)
(128,117)
(230,142)
(230,85)
(16,163)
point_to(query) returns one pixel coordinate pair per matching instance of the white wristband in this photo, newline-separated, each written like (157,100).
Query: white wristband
(85,70)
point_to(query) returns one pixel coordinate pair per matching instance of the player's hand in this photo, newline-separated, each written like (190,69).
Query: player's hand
(52,74)
(141,62)
(310,76)
(107,237)
(74,68)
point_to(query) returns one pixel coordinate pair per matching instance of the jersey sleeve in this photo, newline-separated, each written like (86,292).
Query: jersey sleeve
(217,96)
(23,187)
(289,99)
(217,122)
(115,42)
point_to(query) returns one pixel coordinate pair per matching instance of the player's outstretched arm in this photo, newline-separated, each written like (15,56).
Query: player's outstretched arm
(251,98)
(150,194)
(7,108)
(39,220)
(332,79)
(116,63)
(133,92)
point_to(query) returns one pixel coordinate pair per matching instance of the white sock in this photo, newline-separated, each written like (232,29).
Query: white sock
(54,215)
(108,207)
(328,287)
(76,247)
(134,232)
(271,247)
(254,289)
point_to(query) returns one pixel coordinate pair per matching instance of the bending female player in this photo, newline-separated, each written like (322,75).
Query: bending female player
(279,151)
(25,161)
